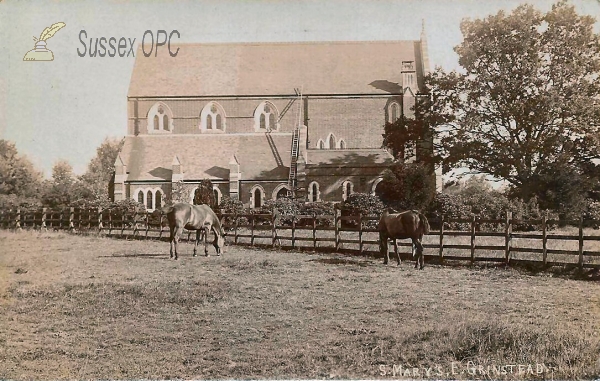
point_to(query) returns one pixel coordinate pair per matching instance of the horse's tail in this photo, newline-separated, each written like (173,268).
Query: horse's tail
(424,223)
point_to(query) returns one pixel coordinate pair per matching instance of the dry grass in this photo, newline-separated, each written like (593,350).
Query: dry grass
(94,308)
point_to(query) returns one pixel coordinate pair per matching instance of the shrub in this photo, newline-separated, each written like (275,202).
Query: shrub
(320,209)
(407,186)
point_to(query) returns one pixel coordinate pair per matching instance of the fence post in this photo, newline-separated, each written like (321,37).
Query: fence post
(293,231)
(314,231)
(252,230)
(273,231)
(545,238)
(135,224)
(147,224)
(160,226)
(360,233)
(336,221)
(581,241)
(18,220)
(507,236)
(123,223)
(442,239)
(44,227)
(473,220)
(71,218)
(110,223)
(100,225)
(235,228)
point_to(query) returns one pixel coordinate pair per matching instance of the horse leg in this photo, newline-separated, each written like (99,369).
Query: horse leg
(420,256)
(178,231)
(396,251)
(383,247)
(206,231)
(171,240)
(197,240)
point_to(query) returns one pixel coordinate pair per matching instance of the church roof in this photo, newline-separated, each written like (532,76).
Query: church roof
(207,156)
(269,69)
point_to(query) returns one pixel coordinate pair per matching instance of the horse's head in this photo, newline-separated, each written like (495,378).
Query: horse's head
(219,243)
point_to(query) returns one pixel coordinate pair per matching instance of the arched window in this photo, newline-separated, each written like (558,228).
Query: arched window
(281,191)
(347,189)
(331,140)
(140,197)
(158,199)
(374,186)
(257,196)
(217,193)
(394,112)
(212,118)
(321,144)
(342,144)
(149,198)
(314,195)
(265,117)
(281,194)
(160,118)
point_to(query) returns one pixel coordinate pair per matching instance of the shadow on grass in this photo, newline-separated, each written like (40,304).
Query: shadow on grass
(566,271)
(341,261)
(138,255)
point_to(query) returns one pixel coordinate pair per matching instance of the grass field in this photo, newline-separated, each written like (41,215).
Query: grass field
(75,307)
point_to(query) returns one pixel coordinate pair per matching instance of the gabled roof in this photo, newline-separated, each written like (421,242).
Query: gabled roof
(262,69)
(206,156)
(349,157)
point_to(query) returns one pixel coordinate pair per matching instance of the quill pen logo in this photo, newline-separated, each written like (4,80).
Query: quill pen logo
(40,51)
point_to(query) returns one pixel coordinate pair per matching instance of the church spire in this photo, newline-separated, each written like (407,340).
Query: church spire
(424,49)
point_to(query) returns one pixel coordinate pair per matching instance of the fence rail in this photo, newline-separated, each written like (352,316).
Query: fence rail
(336,232)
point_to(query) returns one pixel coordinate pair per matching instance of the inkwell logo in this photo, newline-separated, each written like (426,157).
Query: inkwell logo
(40,52)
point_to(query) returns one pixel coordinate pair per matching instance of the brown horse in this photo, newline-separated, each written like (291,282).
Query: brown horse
(194,217)
(409,224)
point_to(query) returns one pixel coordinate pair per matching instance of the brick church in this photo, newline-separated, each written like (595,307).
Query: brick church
(265,120)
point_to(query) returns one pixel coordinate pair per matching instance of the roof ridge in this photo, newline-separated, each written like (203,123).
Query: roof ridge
(307,42)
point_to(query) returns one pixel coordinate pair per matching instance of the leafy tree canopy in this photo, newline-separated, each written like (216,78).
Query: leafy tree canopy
(529,100)
(17,174)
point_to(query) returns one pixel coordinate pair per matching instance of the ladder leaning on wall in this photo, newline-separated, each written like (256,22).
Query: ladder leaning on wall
(292,180)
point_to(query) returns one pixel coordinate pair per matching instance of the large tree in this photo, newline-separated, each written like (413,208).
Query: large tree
(17,175)
(60,191)
(529,101)
(94,183)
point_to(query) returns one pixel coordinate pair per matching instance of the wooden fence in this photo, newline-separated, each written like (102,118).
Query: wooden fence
(336,232)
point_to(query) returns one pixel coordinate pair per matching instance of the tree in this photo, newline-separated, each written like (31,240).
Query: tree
(529,100)
(419,133)
(60,190)
(18,177)
(205,194)
(407,186)
(94,183)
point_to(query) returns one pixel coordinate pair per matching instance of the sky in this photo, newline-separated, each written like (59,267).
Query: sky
(65,108)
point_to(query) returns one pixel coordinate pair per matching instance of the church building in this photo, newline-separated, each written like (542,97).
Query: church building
(265,120)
